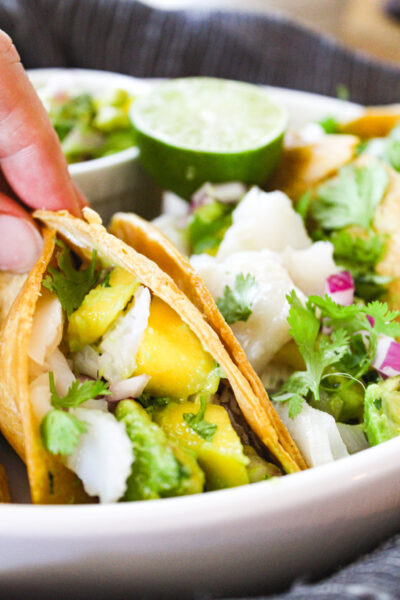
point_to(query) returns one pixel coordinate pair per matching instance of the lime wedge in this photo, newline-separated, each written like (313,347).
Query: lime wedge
(199,129)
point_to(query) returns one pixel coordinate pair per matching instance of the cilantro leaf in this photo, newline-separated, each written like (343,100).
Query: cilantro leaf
(60,432)
(78,392)
(350,198)
(303,205)
(318,352)
(70,284)
(106,281)
(197,422)
(294,391)
(329,124)
(208,226)
(236,304)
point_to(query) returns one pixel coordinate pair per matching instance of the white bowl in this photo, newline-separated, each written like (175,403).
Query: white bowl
(114,182)
(254,538)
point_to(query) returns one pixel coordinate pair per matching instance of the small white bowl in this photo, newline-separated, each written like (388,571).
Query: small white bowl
(115,182)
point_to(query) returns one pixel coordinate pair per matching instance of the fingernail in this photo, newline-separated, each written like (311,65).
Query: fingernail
(20,244)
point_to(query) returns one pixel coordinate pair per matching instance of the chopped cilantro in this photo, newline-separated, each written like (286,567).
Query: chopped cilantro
(151,403)
(106,281)
(60,432)
(208,226)
(197,422)
(350,198)
(70,284)
(236,304)
(344,347)
(329,124)
(303,205)
(59,429)
(318,352)
(78,392)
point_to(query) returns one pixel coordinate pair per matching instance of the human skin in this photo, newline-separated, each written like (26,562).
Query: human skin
(33,170)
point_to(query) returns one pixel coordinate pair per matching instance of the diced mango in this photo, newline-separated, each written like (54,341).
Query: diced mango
(173,356)
(222,459)
(99,309)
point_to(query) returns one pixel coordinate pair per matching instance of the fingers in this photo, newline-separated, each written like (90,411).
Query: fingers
(30,155)
(21,242)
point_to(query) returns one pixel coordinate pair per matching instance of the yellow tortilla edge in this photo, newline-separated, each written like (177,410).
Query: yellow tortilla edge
(148,240)
(86,236)
(50,481)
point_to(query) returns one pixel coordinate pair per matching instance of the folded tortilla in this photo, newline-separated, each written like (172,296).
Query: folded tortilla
(304,166)
(262,417)
(375,121)
(51,482)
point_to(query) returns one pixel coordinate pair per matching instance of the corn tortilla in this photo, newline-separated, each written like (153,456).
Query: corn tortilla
(148,240)
(86,236)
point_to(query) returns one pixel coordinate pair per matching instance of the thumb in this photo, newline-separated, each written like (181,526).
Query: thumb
(20,240)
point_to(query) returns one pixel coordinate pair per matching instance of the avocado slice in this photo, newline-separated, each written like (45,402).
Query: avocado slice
(160,468)
(382,411)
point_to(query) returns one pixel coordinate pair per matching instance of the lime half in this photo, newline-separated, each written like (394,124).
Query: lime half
(200,129)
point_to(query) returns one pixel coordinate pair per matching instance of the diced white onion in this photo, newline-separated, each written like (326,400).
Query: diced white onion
(387,357)
(340,287)
(104,455)
(128,388)
(121,342)
(40,396)
(63,376)
(228,192)
(264,221)
(86,361)
(47,328)
(353,437)
(315,433)
(173,205)
(309,268)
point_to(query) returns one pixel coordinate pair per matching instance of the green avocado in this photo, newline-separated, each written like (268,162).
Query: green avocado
(161,468)
(382,411)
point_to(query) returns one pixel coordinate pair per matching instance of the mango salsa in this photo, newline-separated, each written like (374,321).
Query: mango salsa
(222,459)
(173,356)
(99,309)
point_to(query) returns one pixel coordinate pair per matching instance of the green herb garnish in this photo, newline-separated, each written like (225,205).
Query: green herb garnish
(236,304)
(329,124)
(59,429)
(70,284)
(208,226)
(350,198)
(197,422)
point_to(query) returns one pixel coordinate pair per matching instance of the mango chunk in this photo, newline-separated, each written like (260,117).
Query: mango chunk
(99,309)
(173,356)
(222,459)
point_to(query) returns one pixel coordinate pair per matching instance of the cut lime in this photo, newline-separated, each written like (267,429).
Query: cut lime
(200,129)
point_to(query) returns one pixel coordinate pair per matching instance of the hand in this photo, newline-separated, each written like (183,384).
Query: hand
(32,166)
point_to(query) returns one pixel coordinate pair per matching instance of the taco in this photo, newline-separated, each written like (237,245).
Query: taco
(111,380)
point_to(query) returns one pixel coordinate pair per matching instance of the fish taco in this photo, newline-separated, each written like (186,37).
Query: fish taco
(114,386)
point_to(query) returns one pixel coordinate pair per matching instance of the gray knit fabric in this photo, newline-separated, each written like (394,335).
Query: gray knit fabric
(126,36)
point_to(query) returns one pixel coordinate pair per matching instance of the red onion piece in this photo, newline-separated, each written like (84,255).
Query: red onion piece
(128,388)
(387,357)
(371,320)
(340,287)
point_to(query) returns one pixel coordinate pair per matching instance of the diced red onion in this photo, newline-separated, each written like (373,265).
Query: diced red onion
(371,320)
(128,388)
(340,287)
(387,357)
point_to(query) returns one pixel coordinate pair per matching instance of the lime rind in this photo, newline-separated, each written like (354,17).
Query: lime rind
(201,129)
